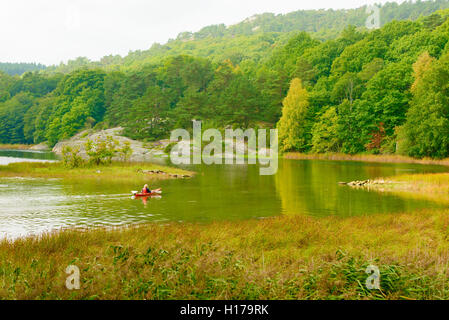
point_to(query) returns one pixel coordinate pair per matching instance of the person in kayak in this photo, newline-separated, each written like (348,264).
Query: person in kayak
(146,189)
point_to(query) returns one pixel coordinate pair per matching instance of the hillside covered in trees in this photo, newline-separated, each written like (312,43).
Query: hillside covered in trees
(342,90)
(256,37)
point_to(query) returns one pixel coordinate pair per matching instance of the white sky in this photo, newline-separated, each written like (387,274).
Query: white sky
(53,31)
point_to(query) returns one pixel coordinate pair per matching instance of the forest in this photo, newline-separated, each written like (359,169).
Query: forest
(20,68)
(327,87)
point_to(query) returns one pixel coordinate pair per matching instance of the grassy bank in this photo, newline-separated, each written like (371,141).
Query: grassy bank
(364,157)
(133,172)
(433,187)
(15,146)
(281,258)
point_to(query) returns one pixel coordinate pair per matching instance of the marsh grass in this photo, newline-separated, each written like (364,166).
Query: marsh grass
(280,258)
(117,171)
(365,158)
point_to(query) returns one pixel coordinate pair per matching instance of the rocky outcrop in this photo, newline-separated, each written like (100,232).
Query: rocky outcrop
(141,151)
(145,151)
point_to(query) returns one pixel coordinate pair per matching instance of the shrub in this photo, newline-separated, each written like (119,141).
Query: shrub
(125,151)
(102,151)
(71,157)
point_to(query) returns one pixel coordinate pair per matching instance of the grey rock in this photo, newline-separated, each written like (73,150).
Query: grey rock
(41,147)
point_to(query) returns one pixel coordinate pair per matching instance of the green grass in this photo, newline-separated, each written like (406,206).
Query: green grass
(287,257)
(118,171)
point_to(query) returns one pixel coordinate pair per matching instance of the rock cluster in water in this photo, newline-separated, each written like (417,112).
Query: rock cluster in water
(177,176)
(364,183)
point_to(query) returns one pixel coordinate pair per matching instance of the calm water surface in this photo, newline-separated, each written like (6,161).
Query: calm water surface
(33,206)
(11,156)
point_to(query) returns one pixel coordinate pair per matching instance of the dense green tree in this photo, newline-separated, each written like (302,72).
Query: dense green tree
(388,95)
(348,127)
(80,96)
(354,57)
(193,105)
(37,118)
(239,104)
(427,127)
(149,118)
(348,87)
(12,113)
(325,132)
(35,83)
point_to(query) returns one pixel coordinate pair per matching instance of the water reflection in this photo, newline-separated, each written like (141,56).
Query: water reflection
(312,187)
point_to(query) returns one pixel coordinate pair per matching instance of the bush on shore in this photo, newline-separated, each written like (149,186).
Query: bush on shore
(99,152)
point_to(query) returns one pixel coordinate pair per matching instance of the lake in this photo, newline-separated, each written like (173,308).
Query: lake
(216,193)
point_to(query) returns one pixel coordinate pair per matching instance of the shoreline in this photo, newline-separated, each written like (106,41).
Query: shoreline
(365,158)
(17,147)
(294,156)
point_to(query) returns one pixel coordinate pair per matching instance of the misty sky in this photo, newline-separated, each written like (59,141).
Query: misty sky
(53,31)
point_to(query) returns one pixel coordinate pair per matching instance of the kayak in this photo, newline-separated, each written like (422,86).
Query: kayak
(152,194)
(141,195)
